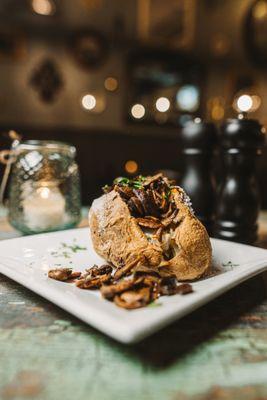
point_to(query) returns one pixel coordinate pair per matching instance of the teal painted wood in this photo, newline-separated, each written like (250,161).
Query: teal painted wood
(218,352)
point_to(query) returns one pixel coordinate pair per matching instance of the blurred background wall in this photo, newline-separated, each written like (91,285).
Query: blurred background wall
(118,78)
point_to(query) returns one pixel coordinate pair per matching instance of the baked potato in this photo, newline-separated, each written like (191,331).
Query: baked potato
(148,221)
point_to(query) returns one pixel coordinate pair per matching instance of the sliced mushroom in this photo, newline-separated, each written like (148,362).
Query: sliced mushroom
(75,275)
(151,179)
(109,291)
(60,274)
(168,211)
(126,269)
(152,203)
(184,288)
(93,283)
(133,299)
(135,206)
(153,283)
(96,271)
(168,220)
(142,270)
(168,286)
(125,192)
(149,222)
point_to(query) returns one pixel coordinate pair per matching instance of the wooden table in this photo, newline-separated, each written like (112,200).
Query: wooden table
(218,352)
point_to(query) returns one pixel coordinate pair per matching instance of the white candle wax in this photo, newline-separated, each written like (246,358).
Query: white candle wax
(44,209)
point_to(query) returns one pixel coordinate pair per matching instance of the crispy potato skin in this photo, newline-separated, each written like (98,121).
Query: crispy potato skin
(194,255)
(118,238)
(116,235)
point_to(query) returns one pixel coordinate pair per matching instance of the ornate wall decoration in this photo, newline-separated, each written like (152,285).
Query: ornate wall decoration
(173,26)
(46,79)
(89,48)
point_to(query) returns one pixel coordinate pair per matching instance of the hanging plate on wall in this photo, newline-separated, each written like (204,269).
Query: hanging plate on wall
(46,80)
(89,48)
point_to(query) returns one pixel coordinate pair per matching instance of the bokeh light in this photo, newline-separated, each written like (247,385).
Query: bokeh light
(244,103)
(44,192)
(89,102)
(111,84)
(138,111)
(162,104)
(187,98)
(43,7)
(260,9)
(131,167)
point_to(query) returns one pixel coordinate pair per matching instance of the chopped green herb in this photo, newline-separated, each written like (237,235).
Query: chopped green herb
(154,304)
(65,250)
(166,195)
(76,248)
(122,180)
(230,264)
(106,188)
(65,254)
(136,183)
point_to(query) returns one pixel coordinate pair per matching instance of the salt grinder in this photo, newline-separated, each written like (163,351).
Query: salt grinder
(198,142)
(237,207)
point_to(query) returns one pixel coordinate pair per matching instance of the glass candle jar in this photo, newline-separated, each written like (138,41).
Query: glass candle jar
(44,188)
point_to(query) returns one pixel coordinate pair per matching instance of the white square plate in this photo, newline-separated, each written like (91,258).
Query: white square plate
(27,260)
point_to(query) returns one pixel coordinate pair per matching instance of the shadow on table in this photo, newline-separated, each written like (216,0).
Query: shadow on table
(233,308)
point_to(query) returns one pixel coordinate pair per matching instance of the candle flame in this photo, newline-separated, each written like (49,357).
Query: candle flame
(44,192)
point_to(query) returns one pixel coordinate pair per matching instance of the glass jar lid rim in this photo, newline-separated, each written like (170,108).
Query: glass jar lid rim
(46,145)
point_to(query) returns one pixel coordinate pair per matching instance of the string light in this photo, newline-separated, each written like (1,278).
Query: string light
(162,104)
(131,166)
(216,108)
(43,7)
(187,98)
(260,10)
(138,111)
(111,84)
(89,102)
(244,103)
(44,192)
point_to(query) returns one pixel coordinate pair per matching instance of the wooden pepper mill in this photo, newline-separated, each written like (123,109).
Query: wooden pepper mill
(238,202)
(198,142)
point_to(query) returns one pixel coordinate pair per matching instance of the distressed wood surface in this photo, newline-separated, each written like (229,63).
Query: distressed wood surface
(217,352)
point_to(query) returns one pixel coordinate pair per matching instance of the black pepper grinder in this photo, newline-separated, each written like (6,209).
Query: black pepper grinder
(198,142)
(238,202)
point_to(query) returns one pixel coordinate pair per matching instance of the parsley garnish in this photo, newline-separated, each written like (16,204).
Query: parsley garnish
(230,264)
(136,183)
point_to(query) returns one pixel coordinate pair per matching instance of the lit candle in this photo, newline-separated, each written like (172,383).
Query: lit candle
(44,209)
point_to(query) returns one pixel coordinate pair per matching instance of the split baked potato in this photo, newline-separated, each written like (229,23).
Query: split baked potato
(149,222)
